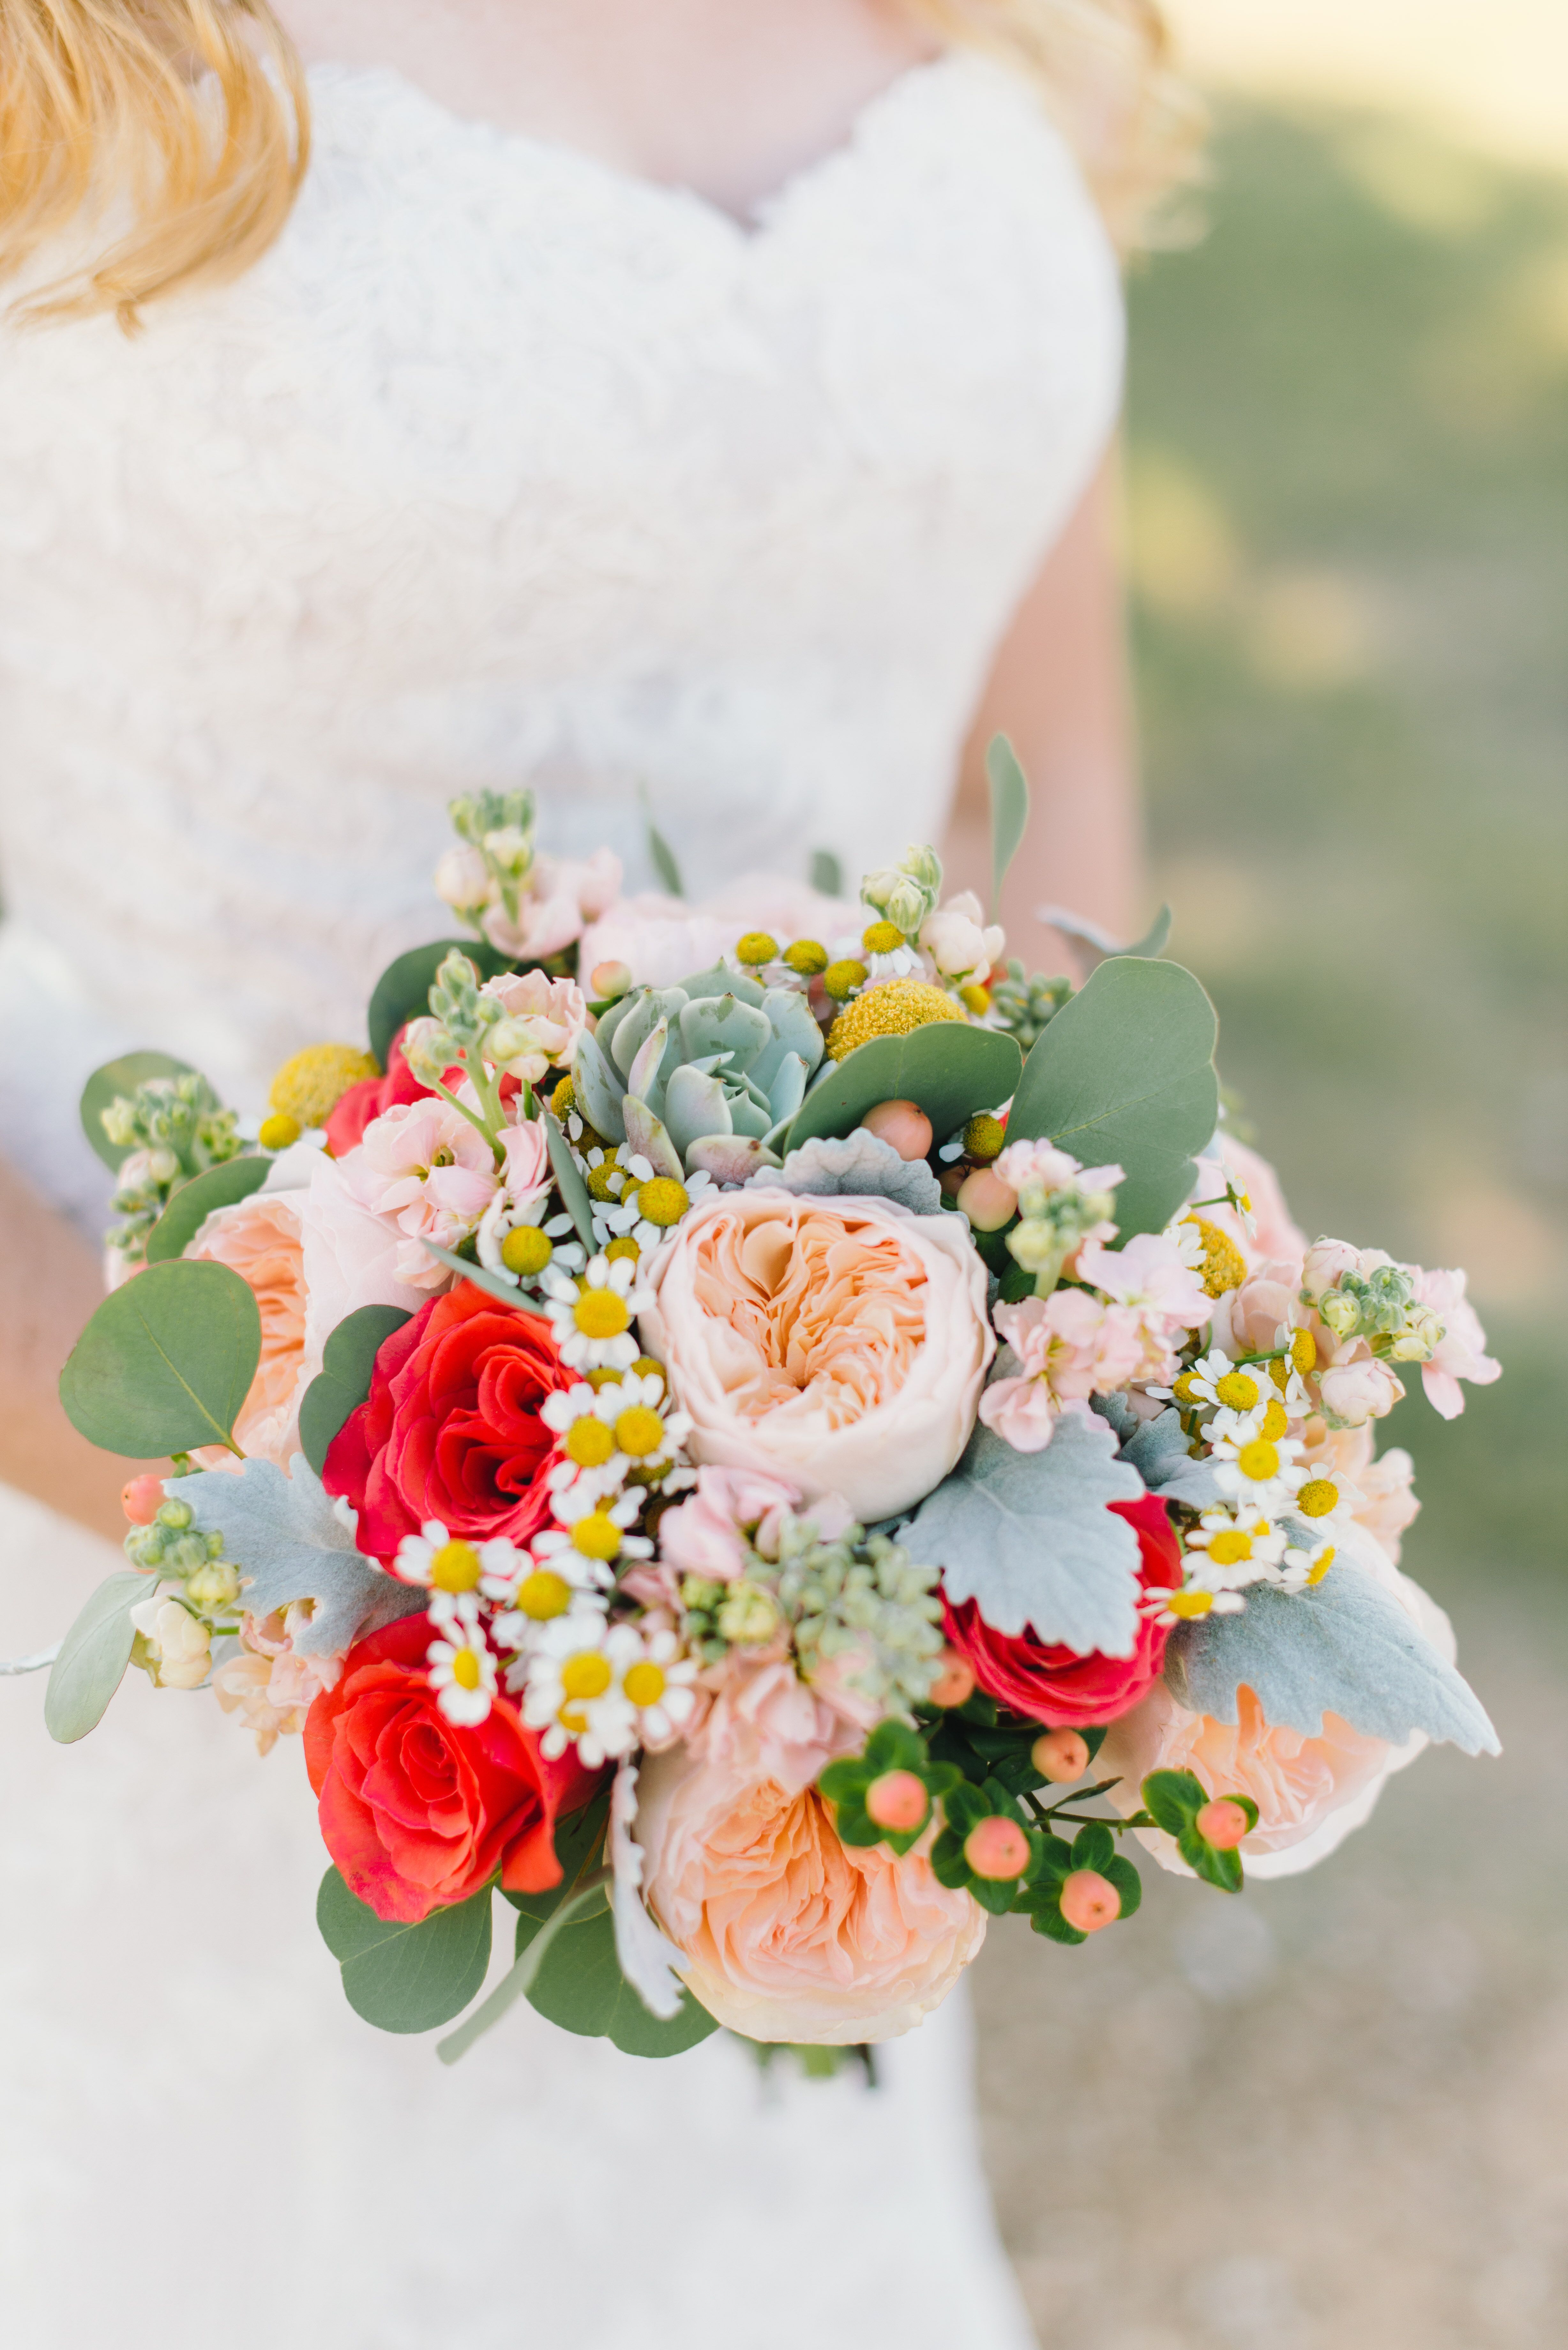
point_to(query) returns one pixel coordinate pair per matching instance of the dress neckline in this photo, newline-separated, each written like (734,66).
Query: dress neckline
(753,227)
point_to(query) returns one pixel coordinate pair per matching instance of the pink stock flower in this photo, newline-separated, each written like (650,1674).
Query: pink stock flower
(663,940)
(1148,1278)
(1041,1162)
(1357,1390)
(269,1683)
(703,1536)
(787,1933)
(1247,1321)
(425,1169)
(1069,1347)
(564,895)
(1462,1352)
(555,1012)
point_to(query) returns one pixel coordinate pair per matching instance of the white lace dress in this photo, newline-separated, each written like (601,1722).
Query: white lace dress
(502,467)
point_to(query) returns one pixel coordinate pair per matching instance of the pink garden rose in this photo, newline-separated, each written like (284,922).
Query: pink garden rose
(837,1344)
(351,1257)
(260,1239)
(787,1933)
(1311,1792)
(1462,1353)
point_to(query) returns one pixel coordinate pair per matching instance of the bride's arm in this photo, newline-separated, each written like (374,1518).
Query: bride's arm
(1060,690)
(50,1281)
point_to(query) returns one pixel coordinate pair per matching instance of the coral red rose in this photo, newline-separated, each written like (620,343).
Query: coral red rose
(1056,1685)
(451,1428)
(367,1100)
(417,1813)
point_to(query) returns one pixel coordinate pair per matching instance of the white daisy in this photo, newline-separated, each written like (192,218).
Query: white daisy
(1228,1549)
(442,1562)
(501,1218)
(593,1316)
(1306,1563)
(461,1672)
(1260,1473)
(571,1692)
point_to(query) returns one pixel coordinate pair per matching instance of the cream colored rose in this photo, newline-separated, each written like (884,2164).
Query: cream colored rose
(841,1344)
(785,1933)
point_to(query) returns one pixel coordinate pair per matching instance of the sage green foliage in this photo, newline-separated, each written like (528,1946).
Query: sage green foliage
(119,1080)
(191,1203)
(402,991)
(169,1128)
(826,873)
(1124,1074)
(719,1056)
(1094,1847)
(1008,811)
(986,1741)
(580,1985)
(569,1182)
(343,1382)
(405,1978)
(166,1362)
(1173,1800)
(965,1807)
(93,1657)
(950,1069)
(892,1746)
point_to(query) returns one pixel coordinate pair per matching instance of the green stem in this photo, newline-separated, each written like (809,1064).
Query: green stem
(463,1111)
(521,1976)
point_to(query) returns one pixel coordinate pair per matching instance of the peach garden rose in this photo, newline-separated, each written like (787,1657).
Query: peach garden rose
(839,1344)
(259,1238)
(787,1933)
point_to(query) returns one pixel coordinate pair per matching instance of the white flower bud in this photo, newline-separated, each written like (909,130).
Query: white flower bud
(216,1584)
(464,879)
(511,849)
(179,1647)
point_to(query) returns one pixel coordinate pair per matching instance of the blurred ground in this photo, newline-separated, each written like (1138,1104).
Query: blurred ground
(1334,2115)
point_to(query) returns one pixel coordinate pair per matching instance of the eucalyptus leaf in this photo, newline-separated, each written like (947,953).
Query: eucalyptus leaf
(1030,1537)
(1008,811)
(285,1537)
(859,1164)
(107,1084)
(826,873)
(661,855)
(581,1988)
(193,1202)
(166,1362)
(93,1657)
(1125,1073)
(950,1069)
(1343,1645)
(343,1382)
(403,991)
(405,1978)
(1096,945)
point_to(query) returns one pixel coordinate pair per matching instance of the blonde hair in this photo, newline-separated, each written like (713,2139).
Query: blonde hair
(180,130)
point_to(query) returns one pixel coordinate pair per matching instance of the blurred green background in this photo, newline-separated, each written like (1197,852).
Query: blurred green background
(1333,2114)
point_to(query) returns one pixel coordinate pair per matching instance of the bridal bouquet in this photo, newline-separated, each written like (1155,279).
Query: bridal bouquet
(765,1435)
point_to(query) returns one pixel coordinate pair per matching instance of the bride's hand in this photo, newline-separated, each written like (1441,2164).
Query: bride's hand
(50,1281)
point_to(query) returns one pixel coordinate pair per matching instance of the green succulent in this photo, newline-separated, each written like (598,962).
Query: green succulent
(699,1076)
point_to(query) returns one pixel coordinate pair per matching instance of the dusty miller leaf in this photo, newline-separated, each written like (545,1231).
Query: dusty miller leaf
(283,1533)
(1344,1646)
(1157,1450)
(859,1164)
(1029,1536)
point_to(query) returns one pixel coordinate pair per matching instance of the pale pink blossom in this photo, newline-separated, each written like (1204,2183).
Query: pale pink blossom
(524,1171)
(1148,1277)
(425,1169)
(564,894)
(959,940)
(704,1536)
(269,1682)
(550,1014)
(1275,1232)
(1248,1321)
(350,1259)
(663,940)
(1327,1263)
(464,879)
(1461,1355)
(1069,1347)
(1357,1390)
(1041,1164)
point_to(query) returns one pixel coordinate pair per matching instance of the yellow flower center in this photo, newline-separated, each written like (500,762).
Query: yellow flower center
(896,1009)
(807,956)
(757,947)
(573,1718)
(645,1367)
(1317,1497)
(1224,1267)
(1189,1604)
(598,1177)
(644,1684)
(542,1595)
(663,1202)
(1274,1420)
(465,1669)
(278,1131)
(585,1676)
(983,1138)
(526,1251)
(600,1313)
(1303,1351)
(1230,1548)
(639,1431)
(1236,1391)
(597,1535)
(455,1567)
(589,1443)
(841,979)
(1258,1460)
(975,999)
(1184,1390)
(623,1245)
(1320,1566)
(882,938)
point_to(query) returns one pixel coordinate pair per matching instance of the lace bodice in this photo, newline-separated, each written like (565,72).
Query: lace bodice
(505,466)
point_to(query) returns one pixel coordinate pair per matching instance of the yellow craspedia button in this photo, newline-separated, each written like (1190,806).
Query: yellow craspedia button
(309,1087)
(893,1009)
